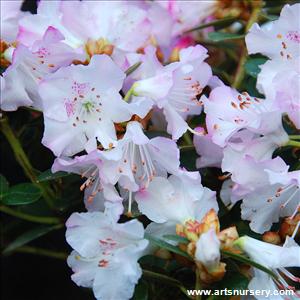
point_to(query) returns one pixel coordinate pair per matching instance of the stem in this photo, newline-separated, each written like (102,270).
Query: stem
(187,138)
(240,72)
(24,162)
(293,144)
(41,251)
(27,217)
(294,137)
(186,147)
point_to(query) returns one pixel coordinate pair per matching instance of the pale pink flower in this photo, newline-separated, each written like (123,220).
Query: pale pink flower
(176,199)
(280,39)
(211,154)
(105,254)
(175,88)
(30,66)
(228,111)
(187,14)
(81,105)
(277,259)
(118,23)
(10,16)
(137,160)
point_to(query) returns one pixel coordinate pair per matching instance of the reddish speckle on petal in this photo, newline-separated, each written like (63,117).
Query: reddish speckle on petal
(103,263)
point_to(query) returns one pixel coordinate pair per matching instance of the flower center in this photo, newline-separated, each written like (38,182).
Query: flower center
(139,160)
(100,46)
(184,95)
(84,106)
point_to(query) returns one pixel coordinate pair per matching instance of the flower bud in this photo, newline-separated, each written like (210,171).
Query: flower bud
(210,220)
(227,237)
(271,237)
(208,250)
(288,226)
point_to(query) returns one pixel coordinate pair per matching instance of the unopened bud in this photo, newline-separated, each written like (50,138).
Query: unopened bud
(272,238)
(288,227)
(191,248)
(227,237)
(208,250)
(209,221)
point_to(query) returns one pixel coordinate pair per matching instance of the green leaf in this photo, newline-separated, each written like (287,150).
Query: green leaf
(176,238)
(4,186)
(162,244)
(30,236)
(252,66)
(22,194)
(141,291)
(219,23)
(48,175)
(223,36)
(161,278)
(132,68)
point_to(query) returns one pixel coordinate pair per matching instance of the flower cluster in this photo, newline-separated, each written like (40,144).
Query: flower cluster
(104,74)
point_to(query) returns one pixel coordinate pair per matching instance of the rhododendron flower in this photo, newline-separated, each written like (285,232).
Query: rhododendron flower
(279,198)
(228,111)
(105,254)
(280,75)
(136,160)
(275,258)
(277,80)
(187,14)
(99,26)
(175,88)
(10,15)
(211,155)
(176,199)
(82,103)
(279,40)
(96,190)
(30,66)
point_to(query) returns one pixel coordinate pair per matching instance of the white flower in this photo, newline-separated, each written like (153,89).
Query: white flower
(81,105)
(273,257)
(176,199)
(208,250)
(105,254)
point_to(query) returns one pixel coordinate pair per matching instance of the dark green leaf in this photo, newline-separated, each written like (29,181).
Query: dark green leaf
(4,186)
(252,66)
(152,261)
(223,36)
(21,194)
(176,238)
(141,291)
(30,236)
(167,246)
(219,23)
(48,175)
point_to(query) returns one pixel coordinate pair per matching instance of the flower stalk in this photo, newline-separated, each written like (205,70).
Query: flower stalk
(240,72)
(27,217)
(24,162)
